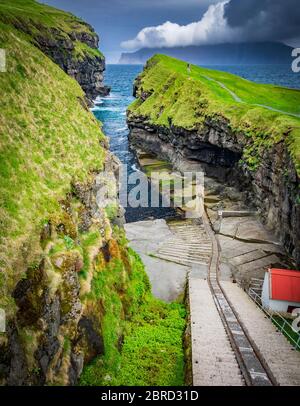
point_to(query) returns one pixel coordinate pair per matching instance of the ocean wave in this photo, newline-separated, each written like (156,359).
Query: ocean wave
(120,130)
(135,168)
(98,99)
(116,109)
(96,108)
(113,96)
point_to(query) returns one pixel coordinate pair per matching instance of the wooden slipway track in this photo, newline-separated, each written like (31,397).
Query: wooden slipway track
(253,368)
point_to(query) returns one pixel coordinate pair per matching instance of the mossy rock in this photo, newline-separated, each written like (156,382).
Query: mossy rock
(63,224)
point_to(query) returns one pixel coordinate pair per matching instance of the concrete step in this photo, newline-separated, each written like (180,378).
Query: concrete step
(181,251)
(189,246)
(248,257)
(185,251)
(237,213)
(180,260)
(185,257)
(195,244)
(260,263)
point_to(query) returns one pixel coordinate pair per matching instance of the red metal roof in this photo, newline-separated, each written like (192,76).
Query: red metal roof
(285,285)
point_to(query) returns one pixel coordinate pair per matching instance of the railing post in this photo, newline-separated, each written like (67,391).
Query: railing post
(253,295)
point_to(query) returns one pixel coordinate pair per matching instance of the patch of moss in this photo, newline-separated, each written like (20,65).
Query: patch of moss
(87,242)
(143,336)
(82,50)
(29,339)
(112,210)
(106,286)
(152,353)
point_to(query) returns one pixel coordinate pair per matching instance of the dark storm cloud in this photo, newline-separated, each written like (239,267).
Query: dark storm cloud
(227,21)
(170,23)
(117,20)
(265,19)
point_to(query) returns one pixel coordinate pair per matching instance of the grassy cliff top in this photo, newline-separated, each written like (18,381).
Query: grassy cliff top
(265,113)
(40,15)
(38,20)
(48,139)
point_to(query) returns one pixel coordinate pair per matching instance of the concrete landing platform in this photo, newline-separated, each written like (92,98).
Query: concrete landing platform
(168,279)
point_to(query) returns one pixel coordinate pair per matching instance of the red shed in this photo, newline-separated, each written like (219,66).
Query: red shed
(281,290)
(285,285)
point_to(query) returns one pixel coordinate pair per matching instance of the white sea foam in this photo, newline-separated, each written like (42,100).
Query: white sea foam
(112,96)
(135,168)
(110,108)
(120,130)
(96,108)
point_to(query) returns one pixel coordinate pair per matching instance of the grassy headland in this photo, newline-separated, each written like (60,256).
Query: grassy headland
(175,96)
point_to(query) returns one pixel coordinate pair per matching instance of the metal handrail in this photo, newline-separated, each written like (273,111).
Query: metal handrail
(253,295)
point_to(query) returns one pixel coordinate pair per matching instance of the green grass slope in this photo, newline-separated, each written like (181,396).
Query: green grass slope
(48,138)
(35,19)
(41,15)
(49,141)
(266,114)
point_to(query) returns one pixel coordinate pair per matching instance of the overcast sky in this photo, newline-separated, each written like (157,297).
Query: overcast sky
(133,24)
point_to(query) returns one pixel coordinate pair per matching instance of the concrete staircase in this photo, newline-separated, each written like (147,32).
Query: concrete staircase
(189,245)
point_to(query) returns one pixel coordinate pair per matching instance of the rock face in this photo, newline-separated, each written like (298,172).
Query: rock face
(216,149)
(75,52)
(87,70)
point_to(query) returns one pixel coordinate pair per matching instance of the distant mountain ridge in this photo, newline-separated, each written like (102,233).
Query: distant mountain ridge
(256,53)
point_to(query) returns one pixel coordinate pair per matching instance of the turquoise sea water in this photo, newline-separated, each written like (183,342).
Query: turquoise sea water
(111,111)
(280,75)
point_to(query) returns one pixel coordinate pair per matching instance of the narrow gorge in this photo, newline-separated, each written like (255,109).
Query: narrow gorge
(117,270)
(76,298)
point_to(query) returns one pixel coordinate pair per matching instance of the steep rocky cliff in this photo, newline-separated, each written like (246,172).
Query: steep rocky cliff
(78,55)
(252,142)
(67,40)
(58,327)
(66,275)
